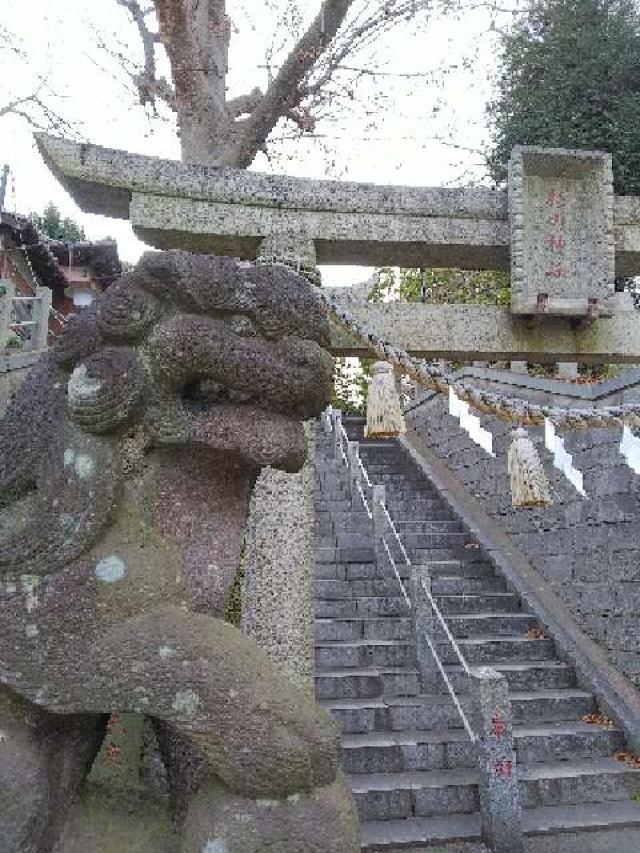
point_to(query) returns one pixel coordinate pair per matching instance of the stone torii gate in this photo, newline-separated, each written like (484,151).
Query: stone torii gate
(558,227)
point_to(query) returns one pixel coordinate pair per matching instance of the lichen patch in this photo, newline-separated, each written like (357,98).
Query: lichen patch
(84,466)
(111,569)
(186,702)
(215,845)
(81,386)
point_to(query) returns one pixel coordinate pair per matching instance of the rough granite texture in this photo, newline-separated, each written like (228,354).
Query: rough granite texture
(229,211)
(587,548)
(278,593)
(562,244)
(129,457)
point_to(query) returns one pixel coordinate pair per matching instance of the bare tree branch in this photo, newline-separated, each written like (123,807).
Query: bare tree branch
(150,87)
(245,103)
(284,92)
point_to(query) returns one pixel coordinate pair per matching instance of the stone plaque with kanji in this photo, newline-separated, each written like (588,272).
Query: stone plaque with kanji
(562,249)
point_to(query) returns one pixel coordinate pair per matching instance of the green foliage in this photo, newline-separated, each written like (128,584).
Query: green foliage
(470,287)
(570,77)
(233,613)
(351,378)
(52,225)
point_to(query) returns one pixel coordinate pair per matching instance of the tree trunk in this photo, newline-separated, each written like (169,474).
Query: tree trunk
(195,34)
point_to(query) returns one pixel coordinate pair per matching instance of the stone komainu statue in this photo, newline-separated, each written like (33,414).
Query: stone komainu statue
(127,463)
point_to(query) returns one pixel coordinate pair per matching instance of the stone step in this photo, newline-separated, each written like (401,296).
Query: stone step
(486,649)
(564,740)
(527,677)
(361,607)
(436,540)
(392,796)
(397,752)
(351,571)
(453,568)
(384,628)
(497,602)
(426,526)
(415,512)
(368,682)
(336,589)
(584,818)
(437,711)
(363,653)
(550,705)
(422,556)
(450,749)
(596,780)
(418,833)
(461,585)
(477,624)
(345,555)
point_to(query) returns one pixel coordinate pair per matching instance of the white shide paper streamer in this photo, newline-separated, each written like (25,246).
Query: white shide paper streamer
(470,423)
(630,449)
(562,459)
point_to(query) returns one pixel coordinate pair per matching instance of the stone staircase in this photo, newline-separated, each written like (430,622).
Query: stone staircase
(411,765)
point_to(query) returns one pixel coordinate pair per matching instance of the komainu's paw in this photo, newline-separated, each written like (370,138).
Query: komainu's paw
(324,821)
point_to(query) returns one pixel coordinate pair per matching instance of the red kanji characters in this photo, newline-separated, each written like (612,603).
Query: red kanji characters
(557,242)
(555,199)
(504,769)
(556,270)
(498,725)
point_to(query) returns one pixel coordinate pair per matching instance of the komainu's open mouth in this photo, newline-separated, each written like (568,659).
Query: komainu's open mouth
(199,396)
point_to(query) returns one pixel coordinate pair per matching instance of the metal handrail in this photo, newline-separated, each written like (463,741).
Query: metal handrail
(365,502)
(364,471)
(396,572)
(394,530)
(473,737)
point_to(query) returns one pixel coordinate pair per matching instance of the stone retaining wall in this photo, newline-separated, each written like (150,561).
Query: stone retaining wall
(587,548)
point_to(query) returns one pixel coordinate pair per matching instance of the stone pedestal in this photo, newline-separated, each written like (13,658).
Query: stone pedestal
(567,370)
(279,558)
(499,795)
(277,599)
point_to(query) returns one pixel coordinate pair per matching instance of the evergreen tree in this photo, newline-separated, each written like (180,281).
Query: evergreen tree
(570,77)
(54,226)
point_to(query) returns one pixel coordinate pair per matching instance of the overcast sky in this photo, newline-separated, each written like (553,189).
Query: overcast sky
(402,129)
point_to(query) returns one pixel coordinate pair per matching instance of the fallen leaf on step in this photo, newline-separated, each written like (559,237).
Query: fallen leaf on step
(628,758)
(536,634)
(599,720)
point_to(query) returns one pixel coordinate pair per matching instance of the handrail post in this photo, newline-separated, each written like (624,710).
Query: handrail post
(336,418)
(40,337)
(500,810)
(354,469)
(378,499)
(327,420)
(7,291)
(425,625)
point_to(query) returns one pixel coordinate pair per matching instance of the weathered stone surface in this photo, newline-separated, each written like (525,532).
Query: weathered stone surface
(124,486)
(487,332)
(229,211)
(319,822)
(277,600)
(562,246)
(587,548)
